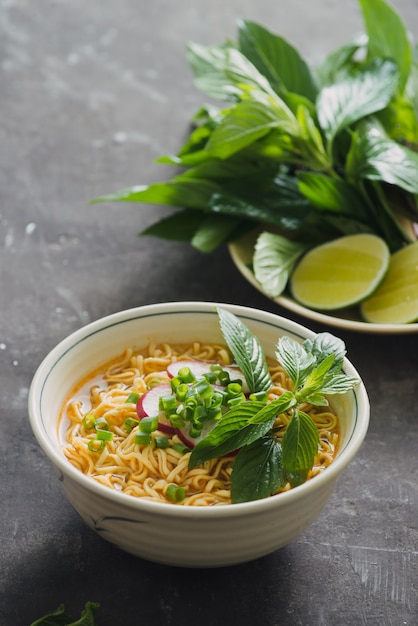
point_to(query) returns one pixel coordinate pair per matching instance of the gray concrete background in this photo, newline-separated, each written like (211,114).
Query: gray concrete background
(90,94)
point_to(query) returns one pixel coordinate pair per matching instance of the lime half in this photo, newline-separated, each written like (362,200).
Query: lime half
(340,273)
(396,299)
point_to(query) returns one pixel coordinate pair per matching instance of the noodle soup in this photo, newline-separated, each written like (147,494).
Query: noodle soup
(159,470)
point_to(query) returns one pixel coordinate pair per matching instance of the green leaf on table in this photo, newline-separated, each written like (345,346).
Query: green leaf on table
(356,96)
(388,36)
(246,350)
(257,471)
(276,59)
(60,617)
(273,261)
(299,448)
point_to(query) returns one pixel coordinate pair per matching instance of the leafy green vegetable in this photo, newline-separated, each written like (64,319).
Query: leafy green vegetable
(60,617)
(263,464)
(302,154)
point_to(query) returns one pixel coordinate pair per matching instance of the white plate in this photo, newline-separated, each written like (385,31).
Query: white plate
(241,252)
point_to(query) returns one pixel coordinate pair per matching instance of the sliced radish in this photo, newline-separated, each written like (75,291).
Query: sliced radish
(148,406)
(198,368)
(191,442)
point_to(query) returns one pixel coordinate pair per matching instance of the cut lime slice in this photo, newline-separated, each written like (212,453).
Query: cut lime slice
(340,273)
(396,299)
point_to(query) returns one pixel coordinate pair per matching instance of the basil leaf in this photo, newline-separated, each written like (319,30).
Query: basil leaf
(247,122)
(257,471)
(247,351)
(299,448)
(314,381)
(239,427)
(369,90)
(296,361)
(181,191)
(374,156)
(274,57)
(332,194)
(181,226)
(388,36)
(223,72)
(339,62)
(339,383)
(212,231)
(273,261)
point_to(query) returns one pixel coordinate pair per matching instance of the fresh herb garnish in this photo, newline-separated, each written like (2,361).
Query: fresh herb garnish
(305,154)
(263,464)
(60,617)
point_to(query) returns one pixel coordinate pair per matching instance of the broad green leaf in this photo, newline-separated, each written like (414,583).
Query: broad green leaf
(299,448)
(184,192)
(60,617)
(257,471)
(239,427)
(369,90)
(339,383)
(273,261)
(247,122)
(374,156)
(322,345)
(339,62)
(246,350)
(279,61)
(388,37)
(181,226)
(332,194)
(311,144)
(315,379)
(223,72)
(296,361)
(399,120)
(212,231)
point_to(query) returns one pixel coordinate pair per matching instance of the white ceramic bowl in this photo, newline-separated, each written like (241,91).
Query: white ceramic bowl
(169,533)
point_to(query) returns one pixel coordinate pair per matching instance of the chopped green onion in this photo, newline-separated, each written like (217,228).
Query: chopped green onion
(96,445)
(236,401)
(148,424)
(162,442)
(223,378)
(186,375)
(101,423)
(88,421)
(132,398)
(175,493)
(153,382)
(130,423)
(195,430)
(234,389)
(177,420)
(181,448)
(104,435)
(143,439)
(167,404)
(202,387)
(182,392)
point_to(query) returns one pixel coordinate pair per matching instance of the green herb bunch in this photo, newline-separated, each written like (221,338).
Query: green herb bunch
(263,464)
(302,154)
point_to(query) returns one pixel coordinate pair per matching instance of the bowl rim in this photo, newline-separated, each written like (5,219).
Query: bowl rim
(155,508)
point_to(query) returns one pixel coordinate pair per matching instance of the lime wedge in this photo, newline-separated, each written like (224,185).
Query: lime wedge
(396,299)
(340,273)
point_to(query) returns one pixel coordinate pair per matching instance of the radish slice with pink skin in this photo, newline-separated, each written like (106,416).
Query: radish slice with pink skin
(198,368)
(148,406)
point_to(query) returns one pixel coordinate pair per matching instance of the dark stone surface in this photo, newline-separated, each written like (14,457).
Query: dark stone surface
(91,93)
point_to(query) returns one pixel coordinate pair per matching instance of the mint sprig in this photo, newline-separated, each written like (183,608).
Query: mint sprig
(263,464)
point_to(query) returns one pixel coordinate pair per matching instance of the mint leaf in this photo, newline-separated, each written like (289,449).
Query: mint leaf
(273,261)
(299,448)
(296,361)
(257,471)
(246,350)
(322,345)
(334,195)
